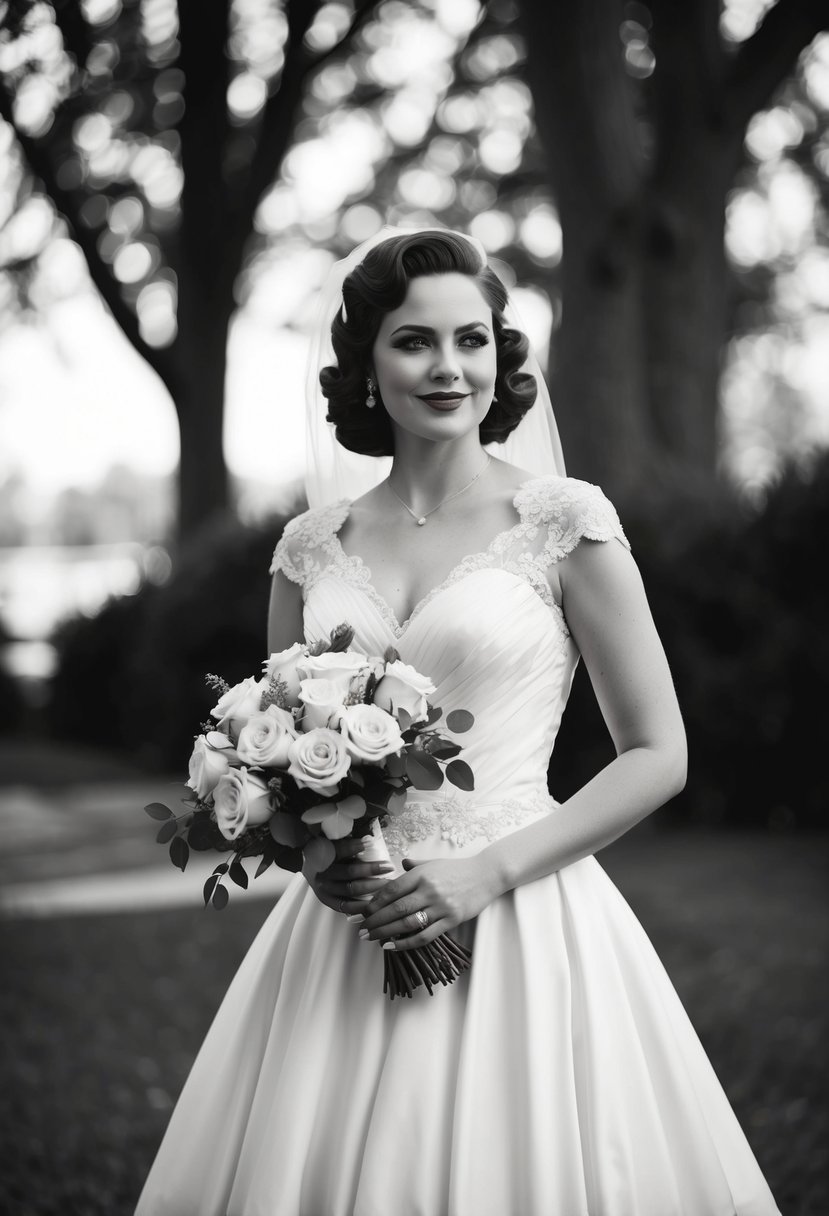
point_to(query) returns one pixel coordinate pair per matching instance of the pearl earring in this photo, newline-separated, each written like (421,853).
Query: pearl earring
(371,400)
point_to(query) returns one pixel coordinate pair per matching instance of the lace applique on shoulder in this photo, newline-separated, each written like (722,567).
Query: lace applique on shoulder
(306,542)
(570,510)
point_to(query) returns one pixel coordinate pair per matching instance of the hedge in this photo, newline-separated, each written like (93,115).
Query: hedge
(741,600)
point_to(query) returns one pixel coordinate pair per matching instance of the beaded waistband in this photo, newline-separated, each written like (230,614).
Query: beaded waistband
(461,820)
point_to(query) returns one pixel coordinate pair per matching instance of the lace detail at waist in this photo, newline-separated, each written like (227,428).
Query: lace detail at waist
(461,821)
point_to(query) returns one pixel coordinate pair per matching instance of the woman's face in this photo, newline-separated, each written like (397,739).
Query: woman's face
(434,359)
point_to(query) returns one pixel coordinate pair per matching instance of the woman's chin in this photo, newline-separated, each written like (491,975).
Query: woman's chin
(440,424)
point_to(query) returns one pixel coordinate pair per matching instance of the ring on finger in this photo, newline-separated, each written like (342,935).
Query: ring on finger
(341,906)
(422,918)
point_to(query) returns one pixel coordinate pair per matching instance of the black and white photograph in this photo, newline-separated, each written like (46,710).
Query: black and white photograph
(414,608)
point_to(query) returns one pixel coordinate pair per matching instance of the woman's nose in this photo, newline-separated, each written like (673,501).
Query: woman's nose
(445,366)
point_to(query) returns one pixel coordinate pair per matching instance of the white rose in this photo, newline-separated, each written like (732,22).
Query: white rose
(266,737)
(283,664)
(211,759)
(341,666)
(370,733)
(239,702)
(319,760)
(323,701)
(240,800)
(404,688)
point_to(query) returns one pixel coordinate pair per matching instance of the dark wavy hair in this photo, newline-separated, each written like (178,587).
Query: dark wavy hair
(378,286)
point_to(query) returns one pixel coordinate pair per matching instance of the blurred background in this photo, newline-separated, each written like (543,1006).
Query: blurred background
(651,181)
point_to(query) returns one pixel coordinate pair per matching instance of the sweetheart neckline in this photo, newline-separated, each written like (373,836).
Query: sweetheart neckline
(397,626)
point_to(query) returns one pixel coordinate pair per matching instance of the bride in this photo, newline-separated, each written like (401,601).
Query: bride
(560,1076)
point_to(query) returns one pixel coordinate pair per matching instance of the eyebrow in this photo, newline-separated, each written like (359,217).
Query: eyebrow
(426,329)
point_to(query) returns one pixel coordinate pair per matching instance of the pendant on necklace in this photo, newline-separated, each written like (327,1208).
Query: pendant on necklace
(421,521)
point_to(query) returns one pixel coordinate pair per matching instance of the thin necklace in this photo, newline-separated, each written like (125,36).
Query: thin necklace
(420,520)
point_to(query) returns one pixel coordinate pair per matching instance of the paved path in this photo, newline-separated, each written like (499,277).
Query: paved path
(91,848)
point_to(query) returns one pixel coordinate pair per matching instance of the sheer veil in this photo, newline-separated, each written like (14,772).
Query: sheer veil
(333,473)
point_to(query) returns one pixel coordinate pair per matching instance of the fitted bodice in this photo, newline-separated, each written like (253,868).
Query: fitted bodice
(490,636)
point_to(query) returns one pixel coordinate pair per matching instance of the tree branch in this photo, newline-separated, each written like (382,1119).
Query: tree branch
(279,119)
(65,202)
(770,55)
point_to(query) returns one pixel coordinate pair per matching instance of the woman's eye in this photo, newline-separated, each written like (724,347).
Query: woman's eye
(417,342)
(413,343)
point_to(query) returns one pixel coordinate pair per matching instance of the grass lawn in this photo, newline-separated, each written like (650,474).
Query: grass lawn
(102,1017)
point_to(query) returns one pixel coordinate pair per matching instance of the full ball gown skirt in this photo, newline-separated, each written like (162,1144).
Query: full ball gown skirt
(561,1075)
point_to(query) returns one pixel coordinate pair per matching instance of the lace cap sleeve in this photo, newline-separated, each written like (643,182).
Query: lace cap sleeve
(569,510)
(300,553)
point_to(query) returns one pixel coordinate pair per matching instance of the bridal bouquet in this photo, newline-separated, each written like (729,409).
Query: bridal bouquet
(324,745)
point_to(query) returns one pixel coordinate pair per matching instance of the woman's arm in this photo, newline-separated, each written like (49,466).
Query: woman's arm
(608,614)
(285,624)
(345,879)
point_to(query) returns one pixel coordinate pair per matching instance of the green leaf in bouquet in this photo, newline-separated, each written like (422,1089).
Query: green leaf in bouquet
(461,775)
(442,749)
(167,831)
(404,718)
(357,778)
(238,874)
(341,637)
(460,720)
(337,816)
(371,685)
(201,832)
(396,765)
(288,859)
(397,802)
(287,830)
(423,770)
(157,810)
(179,852)
(264,864)
(391,655)
(220,897)
(319,853)
(209,888)
(434,713)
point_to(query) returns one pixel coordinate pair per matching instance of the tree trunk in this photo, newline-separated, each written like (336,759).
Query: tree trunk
(199,398)
(587,126)
(644,276)
(685,288)
(598,384)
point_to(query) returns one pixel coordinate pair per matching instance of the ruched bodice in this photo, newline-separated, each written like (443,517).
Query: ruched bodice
(490,636)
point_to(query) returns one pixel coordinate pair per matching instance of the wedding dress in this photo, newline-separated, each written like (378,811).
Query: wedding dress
(560,1076)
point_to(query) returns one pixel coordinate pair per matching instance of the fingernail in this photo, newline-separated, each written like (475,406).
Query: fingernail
(385,867)
(363,935)
(356,919)
(389,946)
(365,841)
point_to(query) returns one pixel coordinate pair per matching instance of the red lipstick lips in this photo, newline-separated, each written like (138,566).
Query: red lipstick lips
(444,402)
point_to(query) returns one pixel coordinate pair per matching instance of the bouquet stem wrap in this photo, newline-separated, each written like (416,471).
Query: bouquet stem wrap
(438,962)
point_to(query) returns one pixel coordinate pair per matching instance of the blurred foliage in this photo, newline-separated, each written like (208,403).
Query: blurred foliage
(133,676)
(210,157)
(740,599)
(11,701)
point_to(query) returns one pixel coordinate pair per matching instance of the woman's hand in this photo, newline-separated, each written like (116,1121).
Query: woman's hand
(345,879)
(449,891)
